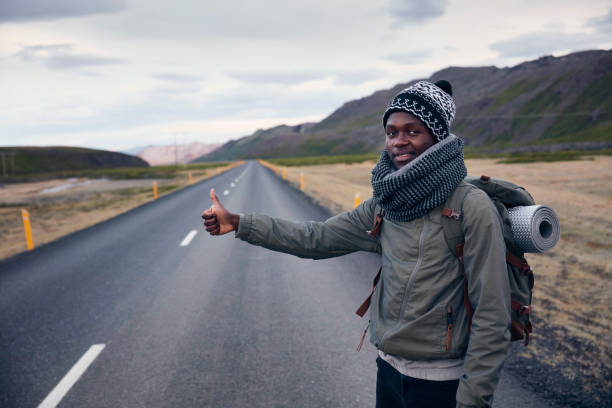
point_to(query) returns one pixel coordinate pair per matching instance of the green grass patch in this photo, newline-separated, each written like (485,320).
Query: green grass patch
(25,160)
(533,157)
(512,93)
(360,122)
(317,160)
(544,101)
(320,145)
(600,131)
(123,173)
(472,153)
(589,118)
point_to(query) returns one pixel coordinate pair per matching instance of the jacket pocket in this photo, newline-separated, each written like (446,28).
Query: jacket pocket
(418,339)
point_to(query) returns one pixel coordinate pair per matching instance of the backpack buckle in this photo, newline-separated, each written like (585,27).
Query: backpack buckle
(519,308)
(526,268)
(524,310)
(450,213)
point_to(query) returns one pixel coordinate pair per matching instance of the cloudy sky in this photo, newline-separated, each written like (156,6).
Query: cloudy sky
(115,74)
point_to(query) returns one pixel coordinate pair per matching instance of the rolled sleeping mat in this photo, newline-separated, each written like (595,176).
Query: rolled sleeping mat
(535,228)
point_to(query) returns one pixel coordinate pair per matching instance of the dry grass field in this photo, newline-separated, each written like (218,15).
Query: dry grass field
(59,207)
(572,297)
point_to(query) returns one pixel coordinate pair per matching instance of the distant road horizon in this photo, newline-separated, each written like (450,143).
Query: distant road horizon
(147,309)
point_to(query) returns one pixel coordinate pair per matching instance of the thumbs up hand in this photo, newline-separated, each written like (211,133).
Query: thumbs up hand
(217,220)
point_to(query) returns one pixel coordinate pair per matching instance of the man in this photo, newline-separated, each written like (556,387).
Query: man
(429,354)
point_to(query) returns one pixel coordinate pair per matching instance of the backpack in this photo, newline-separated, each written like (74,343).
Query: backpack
(504,195)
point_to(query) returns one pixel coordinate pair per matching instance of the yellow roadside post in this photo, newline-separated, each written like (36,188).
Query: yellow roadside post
(284,174)
(302,181)
(190,178)
(357,199)
(155,195)
(27,228)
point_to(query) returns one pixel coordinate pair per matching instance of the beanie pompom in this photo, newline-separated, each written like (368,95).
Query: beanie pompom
(445,86)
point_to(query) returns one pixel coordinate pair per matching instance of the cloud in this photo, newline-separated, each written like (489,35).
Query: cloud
(159,106)
(555,39)
(601,24)
(174,77)
(209,20)
(283,78)
(178,90)
(61,56)
(410,57)
(298,77)
(27,10)
(414,11)
(537,44)
(357,77)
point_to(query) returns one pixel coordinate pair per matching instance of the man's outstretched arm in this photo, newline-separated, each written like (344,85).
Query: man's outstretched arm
(339,235)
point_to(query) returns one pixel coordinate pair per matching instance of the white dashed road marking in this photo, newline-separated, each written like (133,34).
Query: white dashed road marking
(72,377)
(226,192)
(233,185)
(189,237)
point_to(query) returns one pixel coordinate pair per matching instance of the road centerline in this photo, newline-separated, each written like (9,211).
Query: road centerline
(188,238)
(66,383)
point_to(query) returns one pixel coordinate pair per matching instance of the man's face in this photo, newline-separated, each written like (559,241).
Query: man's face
(407,137)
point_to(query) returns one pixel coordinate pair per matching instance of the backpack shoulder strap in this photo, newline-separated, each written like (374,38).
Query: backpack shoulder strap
(452,215)
(379,215)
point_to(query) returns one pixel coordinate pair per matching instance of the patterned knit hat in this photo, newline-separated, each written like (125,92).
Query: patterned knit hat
(432,103)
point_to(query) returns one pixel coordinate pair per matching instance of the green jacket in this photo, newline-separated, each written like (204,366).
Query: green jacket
(421,286)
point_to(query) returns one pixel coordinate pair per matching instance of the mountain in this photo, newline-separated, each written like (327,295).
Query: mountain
(134,150)
(183,153)
(548,101)
(27,160)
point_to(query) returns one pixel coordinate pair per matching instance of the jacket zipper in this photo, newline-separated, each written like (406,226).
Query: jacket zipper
(449,324)
(417,265)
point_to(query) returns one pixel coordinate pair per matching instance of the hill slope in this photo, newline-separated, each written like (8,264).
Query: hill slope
(550,100)
(38,160)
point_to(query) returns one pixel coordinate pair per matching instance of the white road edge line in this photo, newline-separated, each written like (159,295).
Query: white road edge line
(71,377)
(189,237)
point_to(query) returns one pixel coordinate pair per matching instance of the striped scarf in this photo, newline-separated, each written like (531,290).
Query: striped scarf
(421,185)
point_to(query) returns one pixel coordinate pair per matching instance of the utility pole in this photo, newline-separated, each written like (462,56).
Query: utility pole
(175,153)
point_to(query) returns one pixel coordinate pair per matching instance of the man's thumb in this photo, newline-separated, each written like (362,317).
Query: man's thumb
(214,198)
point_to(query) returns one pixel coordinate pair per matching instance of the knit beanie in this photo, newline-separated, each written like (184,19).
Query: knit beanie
(432,103)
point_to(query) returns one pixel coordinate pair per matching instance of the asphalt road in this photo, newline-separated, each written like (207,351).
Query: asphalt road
(213,323)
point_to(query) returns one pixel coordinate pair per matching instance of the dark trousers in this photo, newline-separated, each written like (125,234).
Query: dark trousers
(395,390)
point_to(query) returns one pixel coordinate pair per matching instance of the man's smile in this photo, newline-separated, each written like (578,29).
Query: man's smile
(404,155)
